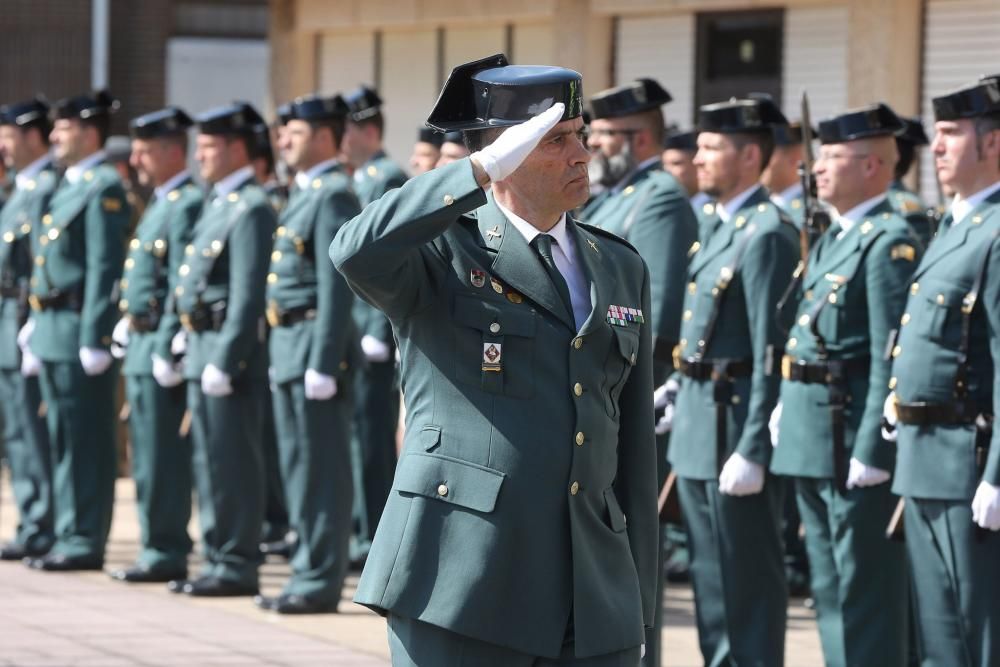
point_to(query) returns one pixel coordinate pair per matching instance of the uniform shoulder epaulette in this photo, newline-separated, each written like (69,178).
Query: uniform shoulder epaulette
(597,231)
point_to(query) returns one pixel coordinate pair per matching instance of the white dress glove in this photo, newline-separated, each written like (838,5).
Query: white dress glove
(740,477)
(94,360)
(31,365)
(861,475)
(664,398)
(889,418)
(986,506)
(216,383)
(24,335)
(374,349)
(501,158)
(319,387)
(772,424)
(166,374)
(179,343)
(119,339)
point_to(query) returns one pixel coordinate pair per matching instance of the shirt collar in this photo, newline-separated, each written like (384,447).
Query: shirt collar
(960,208)
(784,198)
(726,210)
(75,173)
(645,164)
(28,174)
(233,181)
(304,178)
(172,184)
(560,232)
(849,219)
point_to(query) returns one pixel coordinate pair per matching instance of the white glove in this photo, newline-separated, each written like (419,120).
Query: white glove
(664,397)
(119,339)
(889,418)
(319,387)
(772,424)
(374,349)
(24,335)
(31,365)
(986,506)
(501,158)
(214,382)
(94,360)
(166,374)
(740,477)
(179,343)
(861,475)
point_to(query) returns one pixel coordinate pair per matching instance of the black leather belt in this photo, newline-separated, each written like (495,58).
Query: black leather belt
(278,317)
(823,372)
(56,300)
(205,317)
(144,323)
(709,369)
(928,414)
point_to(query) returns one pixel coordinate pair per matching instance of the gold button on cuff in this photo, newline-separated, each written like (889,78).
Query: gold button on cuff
(578,343)
(574,488)
(448,200)
(442,490)
(495,327)
(579,438)
(578,389)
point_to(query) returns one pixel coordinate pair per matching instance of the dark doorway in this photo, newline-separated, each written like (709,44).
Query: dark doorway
(739,53)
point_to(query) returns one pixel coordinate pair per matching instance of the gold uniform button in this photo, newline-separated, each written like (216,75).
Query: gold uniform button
(692,288)
(53,234)
(8,237)
(792,343)
(804,320)
(914,288)
(579,438)
(233,197)
(184,270)
(832,298)
(123,283)
(40,261)
(276,256)
(736,400)
(179,290)
(442,490)
(134,244)
(578,343)
(905,319)
(574,488)
(892,383)
(687,315)
(740,221)
(189,249)
(896,351)
(578,389)
(495,327)
(43,240)
(129,264)
(25,228)
(317,184)
(761,208)
(47,219)
(216,246)
(632,358)
(272,278)
(448,200)
(173,195)
(123,305)
(940,299)
(280,231)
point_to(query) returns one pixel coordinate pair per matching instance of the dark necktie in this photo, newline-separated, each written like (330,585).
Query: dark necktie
(543,246)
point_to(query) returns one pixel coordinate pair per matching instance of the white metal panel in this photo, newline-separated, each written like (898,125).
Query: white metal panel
(409,87)
(207,72)
(663,48)
(960,44)
(533,44)
(815,60)
(462,45)
(346,60)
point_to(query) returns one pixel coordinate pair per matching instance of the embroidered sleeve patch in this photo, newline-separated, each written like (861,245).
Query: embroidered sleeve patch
(903,251)
(111,204)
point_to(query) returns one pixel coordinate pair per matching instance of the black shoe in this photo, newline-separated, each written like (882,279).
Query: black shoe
(13,551)
(217,588)
(294,604)
(677,572)
(177,585)
(139,574)
(280,548)
(64,563)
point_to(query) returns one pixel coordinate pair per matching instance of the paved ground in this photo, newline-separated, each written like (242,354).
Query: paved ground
(88,620)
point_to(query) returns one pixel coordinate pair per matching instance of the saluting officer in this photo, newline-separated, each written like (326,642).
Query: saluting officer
(79,261)
(906,202)
(528,368)
(720,445)
(781,177)
(376,396)
(313,351)
(24,148)
(945,396)
(835,383)
(161,456)
(219,297)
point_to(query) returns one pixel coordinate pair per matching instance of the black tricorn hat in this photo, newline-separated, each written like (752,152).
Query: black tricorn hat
(681,141)
(26,113)
(165,122)
(283,114)
(874,120)
(87,105)
(493,93)
(235,118)
(261,134)
(453,137)
(755,114)
(788,135)
(634,97)
(318,107)
(981,98)
(913,132)
(363,103)
(426,135)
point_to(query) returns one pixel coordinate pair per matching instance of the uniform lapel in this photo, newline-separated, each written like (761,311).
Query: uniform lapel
(953,239)
(598,272)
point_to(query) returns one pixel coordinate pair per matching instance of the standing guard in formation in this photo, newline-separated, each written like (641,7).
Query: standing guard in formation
(161,455)
(679,149)
(313,351)
(219,297)
(836,374)
(720,445)
(781,177)
(905,201)
(73,299)
(24,148)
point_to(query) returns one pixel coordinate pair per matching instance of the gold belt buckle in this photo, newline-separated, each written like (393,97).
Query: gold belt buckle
(186,321)
(35,302)
(273,318)
(786,367)
(676,354)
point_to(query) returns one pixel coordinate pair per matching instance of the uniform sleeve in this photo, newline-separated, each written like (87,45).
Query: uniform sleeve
(766,271)
(991,305)
(386,253)
(888,269)
(107,218)
(181,234)
(635,486)
(332,334)
(249,248)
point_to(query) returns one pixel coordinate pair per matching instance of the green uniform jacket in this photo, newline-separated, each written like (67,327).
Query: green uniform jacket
(747,330)
(913,209)
(509,505)
(305,278)
(652,212)
(372,180)
(155,254)
(81,245)
(227,268)
(938,462)
(854,291)
(19,217)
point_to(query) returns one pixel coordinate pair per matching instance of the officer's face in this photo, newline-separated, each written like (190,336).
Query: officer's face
(219,156)
(424,157)
(149,158)
(297,145)
(609,135)
(840,171)
(718,162)
(680,165)
(963,160)
(554,175)
(358,143)
(72,141)
(12,147)
(451,152)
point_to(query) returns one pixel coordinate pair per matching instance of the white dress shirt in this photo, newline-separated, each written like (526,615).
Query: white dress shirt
(28,174)
(785,197)
(961,208)
(726,210)
(75,173)
(849,219)
(233,181)
(171,184)
(304,178)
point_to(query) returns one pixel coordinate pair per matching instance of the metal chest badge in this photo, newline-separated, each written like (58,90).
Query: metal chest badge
(492,355)
(477,277)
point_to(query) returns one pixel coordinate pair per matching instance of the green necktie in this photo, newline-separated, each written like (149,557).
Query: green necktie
(543,246)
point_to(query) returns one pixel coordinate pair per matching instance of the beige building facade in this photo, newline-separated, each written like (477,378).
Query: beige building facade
(843,52)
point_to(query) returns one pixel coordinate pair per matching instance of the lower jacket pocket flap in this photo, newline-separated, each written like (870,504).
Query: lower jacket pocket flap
(449,480)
